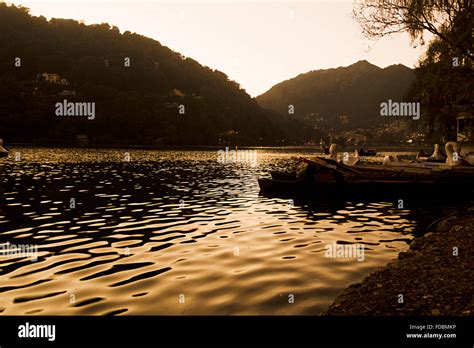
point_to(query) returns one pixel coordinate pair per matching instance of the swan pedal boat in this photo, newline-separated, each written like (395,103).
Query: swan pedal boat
(328,178)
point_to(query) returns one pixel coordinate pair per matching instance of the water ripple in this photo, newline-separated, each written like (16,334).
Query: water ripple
(176,232)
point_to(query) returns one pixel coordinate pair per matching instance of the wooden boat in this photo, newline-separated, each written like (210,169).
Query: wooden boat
(326,178)
(283,176)
(368,152)
(367,188)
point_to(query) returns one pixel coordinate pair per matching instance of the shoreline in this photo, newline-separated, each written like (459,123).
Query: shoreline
(433,277)
(382,148)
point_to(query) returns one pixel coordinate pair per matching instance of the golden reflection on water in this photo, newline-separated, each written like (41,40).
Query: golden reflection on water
(176,232)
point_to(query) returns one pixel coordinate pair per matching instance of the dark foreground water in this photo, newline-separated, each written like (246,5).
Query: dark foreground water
(178,232)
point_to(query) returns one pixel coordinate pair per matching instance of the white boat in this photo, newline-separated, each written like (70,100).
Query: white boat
(458,154)
(436,156)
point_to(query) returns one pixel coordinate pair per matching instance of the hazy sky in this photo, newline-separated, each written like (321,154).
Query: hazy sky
(256,43)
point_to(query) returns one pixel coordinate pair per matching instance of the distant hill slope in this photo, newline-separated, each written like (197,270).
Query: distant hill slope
(355,91)
(135,104)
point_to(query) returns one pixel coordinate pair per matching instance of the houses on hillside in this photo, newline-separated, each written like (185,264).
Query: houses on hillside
(51,78)
(56,85)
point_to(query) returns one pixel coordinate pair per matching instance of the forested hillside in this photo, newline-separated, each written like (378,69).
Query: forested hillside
(144,93)
(342,98)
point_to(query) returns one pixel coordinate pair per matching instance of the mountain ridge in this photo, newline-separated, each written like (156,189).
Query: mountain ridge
(145,93)
(355,91)
(356,64)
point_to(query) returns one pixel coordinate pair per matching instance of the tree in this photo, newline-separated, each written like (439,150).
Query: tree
(441,87)
(444,76)
(448,20)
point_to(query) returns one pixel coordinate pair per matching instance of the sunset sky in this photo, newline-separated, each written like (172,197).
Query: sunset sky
(256,43)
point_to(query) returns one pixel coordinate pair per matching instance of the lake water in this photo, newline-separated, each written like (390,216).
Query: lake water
(178,232)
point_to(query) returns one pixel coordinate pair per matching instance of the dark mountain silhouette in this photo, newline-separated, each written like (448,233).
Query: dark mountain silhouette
(144,93)
(341,98)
